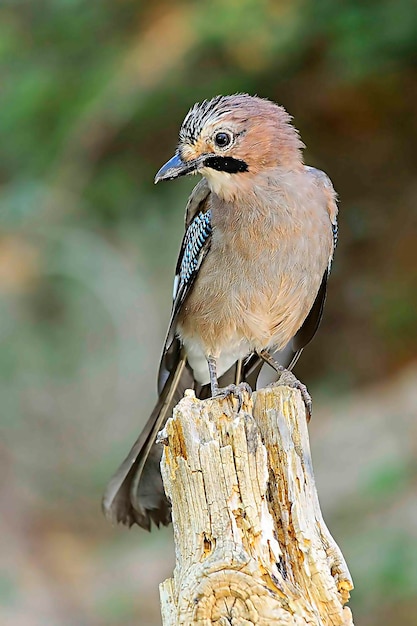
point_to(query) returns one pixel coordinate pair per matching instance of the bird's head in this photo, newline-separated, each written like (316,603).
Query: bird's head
(231,139)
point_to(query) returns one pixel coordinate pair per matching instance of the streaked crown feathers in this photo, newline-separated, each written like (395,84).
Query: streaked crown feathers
(267,125)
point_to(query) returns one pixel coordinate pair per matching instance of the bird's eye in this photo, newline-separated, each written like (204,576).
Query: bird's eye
(222,140)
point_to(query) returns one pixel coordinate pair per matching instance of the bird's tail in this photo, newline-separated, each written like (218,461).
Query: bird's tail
(135,493)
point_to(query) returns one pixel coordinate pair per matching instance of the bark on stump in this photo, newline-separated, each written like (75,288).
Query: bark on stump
(251,543)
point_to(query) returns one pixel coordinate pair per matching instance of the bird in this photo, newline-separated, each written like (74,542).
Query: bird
(250,281)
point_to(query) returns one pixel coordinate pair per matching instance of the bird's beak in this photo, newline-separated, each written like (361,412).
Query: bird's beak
(176,167)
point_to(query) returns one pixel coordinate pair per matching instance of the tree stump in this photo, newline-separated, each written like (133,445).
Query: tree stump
(251,543)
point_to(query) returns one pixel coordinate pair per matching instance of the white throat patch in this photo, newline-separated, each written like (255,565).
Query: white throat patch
(222,184)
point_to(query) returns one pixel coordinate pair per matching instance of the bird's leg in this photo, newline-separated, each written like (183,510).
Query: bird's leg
(231,390)
(288,378)
(214,383)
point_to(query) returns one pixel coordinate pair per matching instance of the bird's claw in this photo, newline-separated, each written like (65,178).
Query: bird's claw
(237,391)
(288,378)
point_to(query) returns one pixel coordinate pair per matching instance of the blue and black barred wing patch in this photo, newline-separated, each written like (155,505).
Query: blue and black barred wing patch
(335,231)
(192,251)
(195,245)
(335,228)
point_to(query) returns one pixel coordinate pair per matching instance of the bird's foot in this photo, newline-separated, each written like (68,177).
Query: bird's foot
(287,378)
(237,391)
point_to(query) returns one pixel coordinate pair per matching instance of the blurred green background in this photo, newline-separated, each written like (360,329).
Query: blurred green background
(92,96)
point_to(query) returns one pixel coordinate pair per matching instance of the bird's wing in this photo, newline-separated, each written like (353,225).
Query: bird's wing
(197,199)
(194,248)
(330,196)
(307,331)
(291,353)
(135,493)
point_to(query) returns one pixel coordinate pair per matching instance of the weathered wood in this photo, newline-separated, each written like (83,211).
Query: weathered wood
(251,543)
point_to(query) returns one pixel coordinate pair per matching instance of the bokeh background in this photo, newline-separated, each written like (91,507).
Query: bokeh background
(92,96)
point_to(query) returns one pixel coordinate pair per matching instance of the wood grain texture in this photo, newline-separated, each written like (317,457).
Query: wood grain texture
(251,543)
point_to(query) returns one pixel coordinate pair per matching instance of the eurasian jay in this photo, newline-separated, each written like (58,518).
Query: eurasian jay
(250,284)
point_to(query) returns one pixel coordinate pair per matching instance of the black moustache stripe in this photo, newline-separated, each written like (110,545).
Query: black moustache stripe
(226,164)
